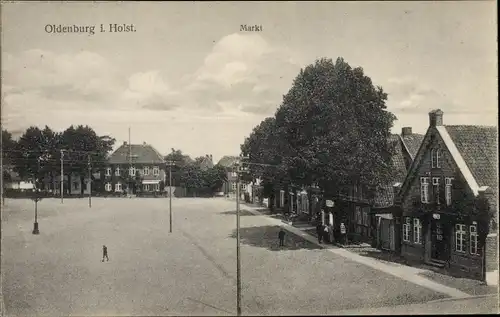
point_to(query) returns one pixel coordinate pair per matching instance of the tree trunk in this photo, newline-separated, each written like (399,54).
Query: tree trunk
(82,187)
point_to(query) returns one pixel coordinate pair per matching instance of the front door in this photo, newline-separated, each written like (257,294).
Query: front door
(385,234)
(439,241)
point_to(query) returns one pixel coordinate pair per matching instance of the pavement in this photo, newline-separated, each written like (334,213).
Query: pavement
(191,271)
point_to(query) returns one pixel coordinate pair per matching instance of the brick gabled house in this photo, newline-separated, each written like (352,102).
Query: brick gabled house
(448,201)
(139,168)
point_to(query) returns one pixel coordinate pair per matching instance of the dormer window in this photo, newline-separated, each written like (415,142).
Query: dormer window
(117,171)
(132,171)
(146,170)
(436,158)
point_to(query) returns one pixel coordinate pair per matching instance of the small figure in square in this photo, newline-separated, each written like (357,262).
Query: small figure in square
(281,236)
(319,231)
(105,253)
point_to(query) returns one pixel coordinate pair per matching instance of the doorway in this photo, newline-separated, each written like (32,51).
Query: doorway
(439,241)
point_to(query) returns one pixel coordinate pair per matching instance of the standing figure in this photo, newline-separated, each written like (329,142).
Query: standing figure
(326,237)
(104,253)
(319,232)
(281,236)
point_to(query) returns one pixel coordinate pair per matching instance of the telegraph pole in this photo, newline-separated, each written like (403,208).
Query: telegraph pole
(37,198)
(90,182)
(62,176)
(238,260)
(130,163)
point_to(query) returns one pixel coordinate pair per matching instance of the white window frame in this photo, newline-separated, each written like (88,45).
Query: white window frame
(244,186)
(118,187)
(145,170)
(435,185)
(145,187)
(156,171)
(447,190)
(117,171)
(108,171)
(473,240)
(417,231)
(156,187)
(233,186)
(424,190)
(132,171)
(234,174)
(406,229)
(433,158)
(460,234)
(108,187)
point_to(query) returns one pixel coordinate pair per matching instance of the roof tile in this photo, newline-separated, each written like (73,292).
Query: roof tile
(140,153)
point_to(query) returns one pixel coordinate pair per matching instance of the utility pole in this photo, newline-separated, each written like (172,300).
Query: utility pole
(170,163)
(90,182)
(130,163)
(62,176)
(238,256)
(37,197)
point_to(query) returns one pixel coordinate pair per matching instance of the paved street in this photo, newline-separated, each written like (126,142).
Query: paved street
(191,271)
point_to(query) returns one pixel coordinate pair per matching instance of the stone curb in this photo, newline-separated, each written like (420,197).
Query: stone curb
(461,298)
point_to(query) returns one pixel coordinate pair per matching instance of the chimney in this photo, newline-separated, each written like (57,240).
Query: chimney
(436,118)
(124,142)
(144,143)
(406,131)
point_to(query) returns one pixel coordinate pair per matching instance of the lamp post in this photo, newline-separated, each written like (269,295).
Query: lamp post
(90,181)
(170,163)
(36,198)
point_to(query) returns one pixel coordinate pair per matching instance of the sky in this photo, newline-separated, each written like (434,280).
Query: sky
(189,79)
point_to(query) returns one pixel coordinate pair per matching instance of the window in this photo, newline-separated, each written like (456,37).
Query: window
(447,190)
(244,186)
(156,171)
(75,185)
(117,171)
(359,217)
(460,238)
(417,231)
(366,218)
(406,229)
(107,187)
(473,240)
(156,187)
(233,186)
(132,171)
(145,187)
(234,174)
(118,187)
(108,171)
(435,185)
(146,170)
(424,189)
(436,158)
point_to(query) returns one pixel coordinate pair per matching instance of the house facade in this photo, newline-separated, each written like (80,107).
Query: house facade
(229,186)
(451,186)
(405,146)
(137,169)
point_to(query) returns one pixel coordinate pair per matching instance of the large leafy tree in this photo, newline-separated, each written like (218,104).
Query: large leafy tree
(8,156)
(180,161)
(331,129)
(81,145)
(214,178)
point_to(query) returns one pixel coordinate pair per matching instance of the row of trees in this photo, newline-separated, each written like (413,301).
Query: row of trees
(198,177)
(331,130)
(37,152)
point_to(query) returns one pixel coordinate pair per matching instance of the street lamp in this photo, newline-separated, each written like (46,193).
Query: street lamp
(36,198)
(170,163)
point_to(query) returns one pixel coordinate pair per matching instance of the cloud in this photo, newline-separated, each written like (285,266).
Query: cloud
(408,95)
(245,73)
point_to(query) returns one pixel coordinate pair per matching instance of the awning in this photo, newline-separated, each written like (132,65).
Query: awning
(385,216)
(151,181)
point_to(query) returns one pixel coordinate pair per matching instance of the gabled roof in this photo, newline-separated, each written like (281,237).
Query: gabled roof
(412,143)
(384,197)
(228,161)
(478,147)
(140,153)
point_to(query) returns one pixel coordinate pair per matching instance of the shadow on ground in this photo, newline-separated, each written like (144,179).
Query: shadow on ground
(243,212)
(267,237)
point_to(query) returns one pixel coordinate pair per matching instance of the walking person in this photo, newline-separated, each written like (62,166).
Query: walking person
(326,237)
(319,232)
(105,253)
(281,236)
